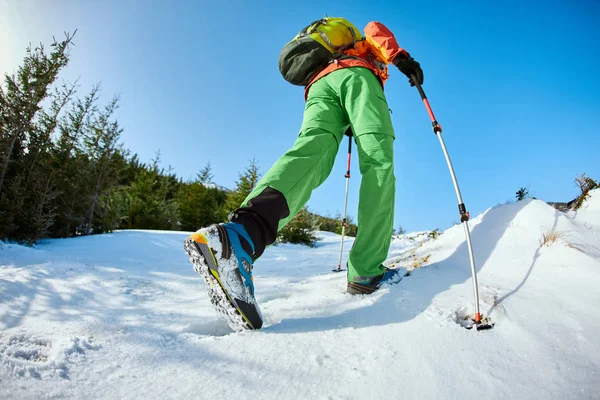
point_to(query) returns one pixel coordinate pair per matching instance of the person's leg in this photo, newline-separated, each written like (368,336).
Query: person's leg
(223,254)
(289,183)
(375,207)
(364,102)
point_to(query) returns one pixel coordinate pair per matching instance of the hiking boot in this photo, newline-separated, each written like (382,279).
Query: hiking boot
(390,276)
(223,255)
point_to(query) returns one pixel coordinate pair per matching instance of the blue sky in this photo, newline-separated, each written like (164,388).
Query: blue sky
(513,84)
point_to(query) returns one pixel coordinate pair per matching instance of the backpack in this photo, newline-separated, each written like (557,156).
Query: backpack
(314,47)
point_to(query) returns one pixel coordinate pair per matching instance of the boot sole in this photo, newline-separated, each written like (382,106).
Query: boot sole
(198,253)
(356,288)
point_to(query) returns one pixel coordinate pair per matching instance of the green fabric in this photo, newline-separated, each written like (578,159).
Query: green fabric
(346,97)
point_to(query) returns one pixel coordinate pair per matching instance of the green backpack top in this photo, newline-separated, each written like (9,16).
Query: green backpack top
(314,47)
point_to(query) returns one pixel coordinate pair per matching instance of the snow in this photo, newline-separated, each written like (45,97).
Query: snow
(124,316)
(212,185)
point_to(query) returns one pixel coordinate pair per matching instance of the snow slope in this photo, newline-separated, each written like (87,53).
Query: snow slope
(123,316)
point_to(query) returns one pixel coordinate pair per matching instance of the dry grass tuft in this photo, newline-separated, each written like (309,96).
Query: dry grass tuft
(572,246)
(418,262)
(550,237)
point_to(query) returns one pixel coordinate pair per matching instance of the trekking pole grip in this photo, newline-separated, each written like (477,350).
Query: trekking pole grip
(437,128)
(413,77)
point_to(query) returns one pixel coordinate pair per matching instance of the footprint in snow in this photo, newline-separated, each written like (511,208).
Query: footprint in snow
(141,289)
(28,355)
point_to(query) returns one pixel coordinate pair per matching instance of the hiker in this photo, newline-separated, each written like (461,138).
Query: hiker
(343,78)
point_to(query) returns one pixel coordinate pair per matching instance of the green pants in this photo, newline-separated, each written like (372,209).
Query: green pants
(346,97)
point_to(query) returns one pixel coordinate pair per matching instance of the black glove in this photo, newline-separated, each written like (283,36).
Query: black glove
(408,66)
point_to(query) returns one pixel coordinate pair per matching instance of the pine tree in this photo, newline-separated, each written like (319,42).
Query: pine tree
(522,194)
(102,142)
(150,201)
(71,164)
(205,176)
(300,229)
(200,204)
(22,98)
(113,211)
(401,230)
(27,189)
(40,178)
(245,184)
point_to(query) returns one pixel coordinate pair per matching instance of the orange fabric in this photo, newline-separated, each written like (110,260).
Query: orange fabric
(382,42)
(375,52)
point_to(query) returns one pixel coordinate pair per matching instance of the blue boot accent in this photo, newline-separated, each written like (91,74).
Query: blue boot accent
(234,231)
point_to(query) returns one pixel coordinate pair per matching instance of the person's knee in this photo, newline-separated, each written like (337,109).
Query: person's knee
(323,134)
(376,152)
(384,133)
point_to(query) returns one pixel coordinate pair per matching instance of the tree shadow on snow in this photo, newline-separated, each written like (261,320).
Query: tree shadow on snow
(415,293)
(118,317)
(17,296)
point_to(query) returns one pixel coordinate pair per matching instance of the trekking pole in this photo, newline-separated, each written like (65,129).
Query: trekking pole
(464,214)
(344,222)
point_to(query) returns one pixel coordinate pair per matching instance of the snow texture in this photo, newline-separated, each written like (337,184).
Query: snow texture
(124,316)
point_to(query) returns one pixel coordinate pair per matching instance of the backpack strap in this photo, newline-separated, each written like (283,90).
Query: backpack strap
(312,26)
(353,36)
(323,21)
(340,48)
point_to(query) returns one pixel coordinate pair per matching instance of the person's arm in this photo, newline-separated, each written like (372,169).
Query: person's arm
(385,47)
(382,42)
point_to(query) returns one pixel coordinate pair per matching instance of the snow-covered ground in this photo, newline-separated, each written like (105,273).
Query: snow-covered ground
(123,316)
